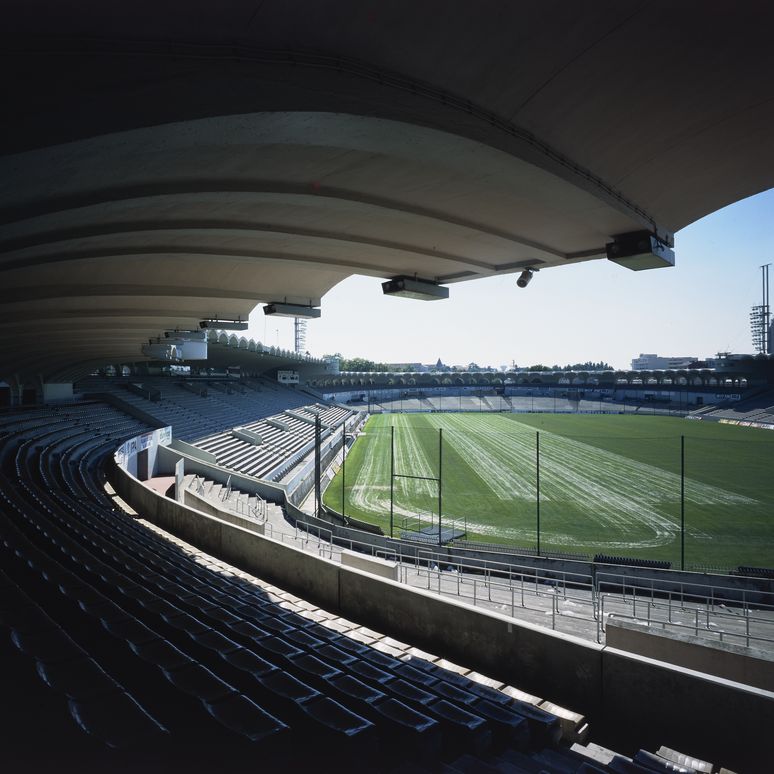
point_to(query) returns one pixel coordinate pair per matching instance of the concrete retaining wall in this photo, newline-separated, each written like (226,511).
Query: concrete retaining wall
(724,659)
(353,538)
(563,668)
(205,506)
(271,559)
(613,576)
(647,703)
(370,564)
(169,455)
(630,700)
(567,669)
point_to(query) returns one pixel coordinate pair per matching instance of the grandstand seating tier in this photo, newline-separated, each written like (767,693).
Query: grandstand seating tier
(131,650)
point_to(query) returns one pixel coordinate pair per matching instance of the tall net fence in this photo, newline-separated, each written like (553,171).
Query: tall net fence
(698,499)
(729,501)
(610,496)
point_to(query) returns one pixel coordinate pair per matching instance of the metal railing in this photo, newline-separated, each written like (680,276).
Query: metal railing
(699,626)
(226,493)
(313,530)
(509,586)
(197,484)
(725,613)
(257,511)
(708,610)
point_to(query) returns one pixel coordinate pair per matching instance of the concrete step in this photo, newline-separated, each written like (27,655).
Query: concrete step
(239,502)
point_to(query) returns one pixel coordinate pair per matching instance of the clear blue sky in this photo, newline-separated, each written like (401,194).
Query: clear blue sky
(590,311)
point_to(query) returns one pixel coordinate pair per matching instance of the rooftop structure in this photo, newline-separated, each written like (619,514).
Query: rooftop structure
(156,175)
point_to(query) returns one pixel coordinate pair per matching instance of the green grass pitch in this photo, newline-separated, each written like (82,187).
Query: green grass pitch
(608,483)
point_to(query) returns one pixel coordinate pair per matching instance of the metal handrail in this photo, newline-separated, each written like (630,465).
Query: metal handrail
(507,569)
(227,492)
(308,528)
(257,512)
(479,588)
(709,617)
(197,484)
(497,583)
(708,591)
(526,583)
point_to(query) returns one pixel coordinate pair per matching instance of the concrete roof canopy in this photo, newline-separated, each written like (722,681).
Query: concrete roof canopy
(162,163)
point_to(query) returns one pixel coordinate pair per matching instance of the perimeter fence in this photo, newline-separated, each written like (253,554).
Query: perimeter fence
(697,497)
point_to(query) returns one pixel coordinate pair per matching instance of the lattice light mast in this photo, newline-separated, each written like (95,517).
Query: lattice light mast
(760,317)
(299,325)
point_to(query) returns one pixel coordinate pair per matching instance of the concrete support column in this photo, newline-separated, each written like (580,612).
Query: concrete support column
(55,391)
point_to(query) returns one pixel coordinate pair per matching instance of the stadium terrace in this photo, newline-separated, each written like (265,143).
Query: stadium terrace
(217,554)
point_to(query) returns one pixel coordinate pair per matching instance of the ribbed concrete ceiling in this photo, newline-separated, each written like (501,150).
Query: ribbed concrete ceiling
(163,162)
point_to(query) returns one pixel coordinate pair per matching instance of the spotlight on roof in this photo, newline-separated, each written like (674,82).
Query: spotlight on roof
(188,345)
(291,310)
(160,351)
(186,335)
(525,277)
(410,287)
(640,250)
(224,325)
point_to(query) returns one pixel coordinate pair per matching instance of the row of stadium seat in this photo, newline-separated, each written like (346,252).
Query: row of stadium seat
(279,448)
(118,600)
(205,417)
(132,650)
(192,416)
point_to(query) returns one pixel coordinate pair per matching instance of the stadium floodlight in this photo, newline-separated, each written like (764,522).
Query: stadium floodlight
(290,310)
(411,287)
(525,277)
(640,250)
(160,351)
(189,345)
(224,325)
(186,335)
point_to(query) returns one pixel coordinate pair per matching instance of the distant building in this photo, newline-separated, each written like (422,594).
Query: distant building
(655,363)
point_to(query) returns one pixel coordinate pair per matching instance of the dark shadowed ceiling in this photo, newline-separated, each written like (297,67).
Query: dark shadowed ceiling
(164,162)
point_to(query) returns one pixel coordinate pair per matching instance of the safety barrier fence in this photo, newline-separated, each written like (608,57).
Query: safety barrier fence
(257,510)
(707,610)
